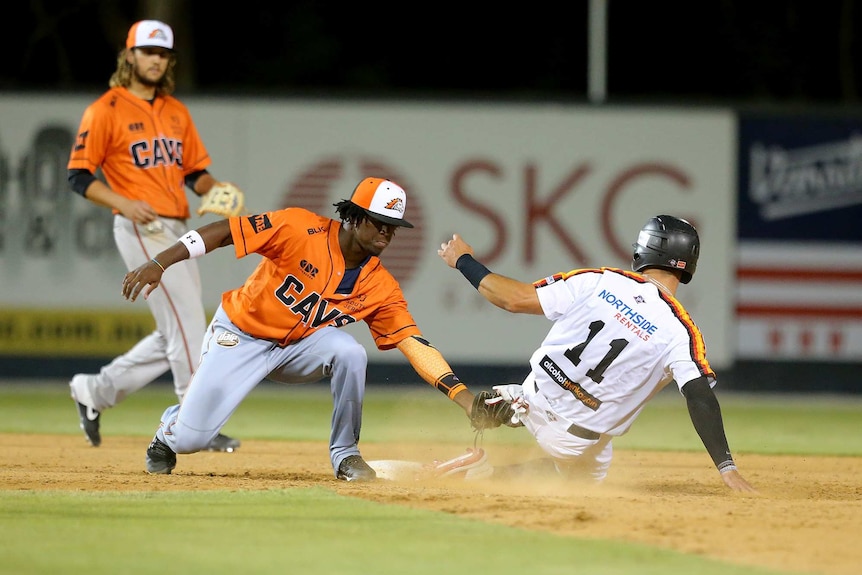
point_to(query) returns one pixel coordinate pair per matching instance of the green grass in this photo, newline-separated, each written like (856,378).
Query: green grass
(315,531)
(309,531)
(767,424)
(762,424)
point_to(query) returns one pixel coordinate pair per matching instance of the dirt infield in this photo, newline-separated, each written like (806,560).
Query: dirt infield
(807,516)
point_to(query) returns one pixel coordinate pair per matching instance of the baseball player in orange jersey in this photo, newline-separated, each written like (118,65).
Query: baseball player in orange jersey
(617,339)
(148,149)
(316,275)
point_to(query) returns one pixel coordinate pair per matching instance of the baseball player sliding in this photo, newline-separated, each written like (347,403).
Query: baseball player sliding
(148,149)
(316,275)
(618,337)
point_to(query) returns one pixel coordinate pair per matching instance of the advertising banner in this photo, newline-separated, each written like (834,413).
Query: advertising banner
(800,239)
(537,189)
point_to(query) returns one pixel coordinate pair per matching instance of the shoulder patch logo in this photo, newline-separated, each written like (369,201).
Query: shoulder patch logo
(548,280)
(227,339)
(81,142)
(259,222)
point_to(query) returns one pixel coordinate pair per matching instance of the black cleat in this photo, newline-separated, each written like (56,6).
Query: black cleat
(90,424)
(224,443)
(160,458)
(354,468)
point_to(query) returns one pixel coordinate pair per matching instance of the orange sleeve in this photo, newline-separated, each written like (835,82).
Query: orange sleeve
(91,142)
(258,233)
(431,366)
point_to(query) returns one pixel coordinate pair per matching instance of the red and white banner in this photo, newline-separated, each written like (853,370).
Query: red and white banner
(799,301)
(799,269)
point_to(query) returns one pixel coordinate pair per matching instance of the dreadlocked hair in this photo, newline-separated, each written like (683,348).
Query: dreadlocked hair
(122,76)
(350,212)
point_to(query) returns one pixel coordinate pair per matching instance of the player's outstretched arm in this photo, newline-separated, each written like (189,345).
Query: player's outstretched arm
(705,413)
(195,243)
(431,366)
(504,292)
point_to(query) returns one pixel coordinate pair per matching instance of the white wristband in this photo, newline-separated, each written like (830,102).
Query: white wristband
(194,243)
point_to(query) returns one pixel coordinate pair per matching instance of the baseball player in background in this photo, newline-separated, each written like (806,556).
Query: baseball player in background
(618,337)
(316,275)
(148,149)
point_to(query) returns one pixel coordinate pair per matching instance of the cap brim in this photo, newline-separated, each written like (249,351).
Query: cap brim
(389,221)
(155,46)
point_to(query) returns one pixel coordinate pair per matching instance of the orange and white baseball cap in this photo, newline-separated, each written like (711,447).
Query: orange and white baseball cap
(383,200)
(150,34)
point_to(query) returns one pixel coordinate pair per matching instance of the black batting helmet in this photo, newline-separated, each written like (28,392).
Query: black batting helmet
(669,243)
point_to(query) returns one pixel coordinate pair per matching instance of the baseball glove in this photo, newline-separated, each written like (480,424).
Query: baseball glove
(486,415)
(224,199)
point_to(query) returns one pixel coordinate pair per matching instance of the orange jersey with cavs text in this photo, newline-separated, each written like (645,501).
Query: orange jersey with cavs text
(292,292)
(144,150)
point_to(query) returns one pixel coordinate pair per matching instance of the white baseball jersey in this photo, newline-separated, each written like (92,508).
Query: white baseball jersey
(617,340)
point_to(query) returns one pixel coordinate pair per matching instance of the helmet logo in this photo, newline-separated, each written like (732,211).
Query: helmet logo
(678,264)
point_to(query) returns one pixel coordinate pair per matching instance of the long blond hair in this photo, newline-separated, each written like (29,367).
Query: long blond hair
(122,76)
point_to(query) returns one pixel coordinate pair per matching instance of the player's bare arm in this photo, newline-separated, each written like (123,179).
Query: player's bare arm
(137,211)
(511,295)
(204,183)
(504,292)
(147,277)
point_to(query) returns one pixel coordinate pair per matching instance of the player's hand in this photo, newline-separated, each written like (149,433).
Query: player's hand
(138,211)
(513,394)
(736,482)
(453,249)
(147,276)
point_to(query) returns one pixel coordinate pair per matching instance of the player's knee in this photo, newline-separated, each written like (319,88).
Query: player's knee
(191,442)
(352,356)
(184,439)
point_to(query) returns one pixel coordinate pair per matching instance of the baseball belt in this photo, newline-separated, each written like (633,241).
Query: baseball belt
(573,429)
(583,433)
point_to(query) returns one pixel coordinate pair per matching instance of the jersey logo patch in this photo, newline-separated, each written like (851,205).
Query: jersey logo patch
(560,378)
(259,222)
(308,268)
(227,339)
